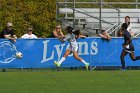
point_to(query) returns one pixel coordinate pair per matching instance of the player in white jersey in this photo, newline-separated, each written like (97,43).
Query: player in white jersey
(71,37)
(72,40)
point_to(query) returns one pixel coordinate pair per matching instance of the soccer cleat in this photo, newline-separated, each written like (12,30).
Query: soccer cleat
(123,69)
(87,66)
(56,64)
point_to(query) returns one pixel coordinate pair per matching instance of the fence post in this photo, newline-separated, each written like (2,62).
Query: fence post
(73,14)
(119,21)
(136,4)
(100,15)
(66,3)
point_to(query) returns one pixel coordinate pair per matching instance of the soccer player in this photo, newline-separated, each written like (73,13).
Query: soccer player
(129,28)
(71,37)
(127,47)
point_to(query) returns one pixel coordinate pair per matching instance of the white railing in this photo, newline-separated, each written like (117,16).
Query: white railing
(113,28)
(136,35)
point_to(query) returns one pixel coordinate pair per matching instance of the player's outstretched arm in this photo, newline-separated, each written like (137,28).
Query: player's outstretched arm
(82,36)
(61,39)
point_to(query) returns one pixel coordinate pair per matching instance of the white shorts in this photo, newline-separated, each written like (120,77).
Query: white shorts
(73,48)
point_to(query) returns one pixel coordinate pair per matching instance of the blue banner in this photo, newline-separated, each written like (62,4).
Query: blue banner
(41,53)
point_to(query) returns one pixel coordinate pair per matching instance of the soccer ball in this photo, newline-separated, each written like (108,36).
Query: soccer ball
(19,55)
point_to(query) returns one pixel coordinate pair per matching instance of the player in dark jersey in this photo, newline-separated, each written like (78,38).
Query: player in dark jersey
(127,47)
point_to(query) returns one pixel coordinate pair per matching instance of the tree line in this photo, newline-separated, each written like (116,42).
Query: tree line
(38,14)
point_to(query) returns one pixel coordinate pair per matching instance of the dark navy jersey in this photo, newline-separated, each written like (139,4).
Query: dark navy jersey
(127,36)
(6,32)
(128,42)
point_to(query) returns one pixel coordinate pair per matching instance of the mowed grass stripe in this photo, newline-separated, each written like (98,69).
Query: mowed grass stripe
(70,82)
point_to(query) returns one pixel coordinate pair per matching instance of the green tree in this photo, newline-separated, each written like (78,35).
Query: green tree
(39,14)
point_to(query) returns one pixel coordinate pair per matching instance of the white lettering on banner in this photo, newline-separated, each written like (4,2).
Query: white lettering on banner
(94,48)
(45,52)
(80,52)
(83,50)
(58,50)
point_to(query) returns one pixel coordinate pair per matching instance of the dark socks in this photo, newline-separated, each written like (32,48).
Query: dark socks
(138,58)
(123,63)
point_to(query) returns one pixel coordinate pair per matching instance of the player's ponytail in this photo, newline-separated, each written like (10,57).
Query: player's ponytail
(69,29)
(76,32)
(124,26)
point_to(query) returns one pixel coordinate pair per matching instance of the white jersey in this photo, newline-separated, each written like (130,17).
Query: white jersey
(72,40)
(27,36)
(129,28)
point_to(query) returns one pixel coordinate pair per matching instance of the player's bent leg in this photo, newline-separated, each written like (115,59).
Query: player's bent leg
(123,54)
(68,51)
(58,64)
(132,56)
(75,54)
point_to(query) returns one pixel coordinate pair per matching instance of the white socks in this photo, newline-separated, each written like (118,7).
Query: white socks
(62,59)
(83,61)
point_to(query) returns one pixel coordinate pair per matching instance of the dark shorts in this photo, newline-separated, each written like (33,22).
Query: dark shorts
(129,48)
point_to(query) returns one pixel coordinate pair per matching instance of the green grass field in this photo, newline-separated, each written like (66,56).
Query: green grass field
(70,82)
